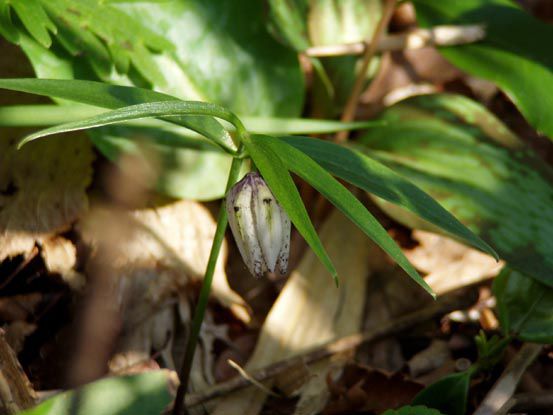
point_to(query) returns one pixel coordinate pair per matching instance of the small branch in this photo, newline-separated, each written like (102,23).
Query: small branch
(351,105)
(524,402)
(443,306)
(16,392)
(414,39)
(506,385)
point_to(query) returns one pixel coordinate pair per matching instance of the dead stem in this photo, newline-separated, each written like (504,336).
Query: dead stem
(443,306)
(351,105)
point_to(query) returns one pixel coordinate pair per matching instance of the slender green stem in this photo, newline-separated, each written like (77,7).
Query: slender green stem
(199,312)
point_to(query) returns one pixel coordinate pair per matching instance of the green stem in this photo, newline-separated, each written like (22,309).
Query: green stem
(199,312)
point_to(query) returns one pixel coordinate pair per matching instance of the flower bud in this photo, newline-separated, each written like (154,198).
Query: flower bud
(260,226)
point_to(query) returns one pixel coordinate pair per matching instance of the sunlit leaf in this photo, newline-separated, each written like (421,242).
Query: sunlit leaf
(139,111)
(143,394)
(113,96)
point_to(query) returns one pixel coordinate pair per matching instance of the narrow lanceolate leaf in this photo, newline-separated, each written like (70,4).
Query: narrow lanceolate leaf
(305,167)
(110,96)
(139,111)
(374,177)
(51,114)
(276,174)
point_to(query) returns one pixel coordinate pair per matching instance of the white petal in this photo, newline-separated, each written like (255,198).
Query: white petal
(241,221)
(268,222)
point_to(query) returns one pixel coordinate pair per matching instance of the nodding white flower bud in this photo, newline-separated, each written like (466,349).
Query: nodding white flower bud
(260,226)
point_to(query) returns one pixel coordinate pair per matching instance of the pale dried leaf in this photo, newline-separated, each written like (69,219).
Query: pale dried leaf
(311,310)
(42,189)
(156,254)
(449,264)
(60,257)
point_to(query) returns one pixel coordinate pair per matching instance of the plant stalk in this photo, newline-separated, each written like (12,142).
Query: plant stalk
(199,312)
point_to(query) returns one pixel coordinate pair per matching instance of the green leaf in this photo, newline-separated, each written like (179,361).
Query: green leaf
(143,394)
(39,115)
(374,177)
(7,29)
(301,24)
(113,96)
(516,53)
(449,394)
(111,37)
(524,306)
(224,54)
(412,410)
(139,111)
(276,174)
(305,167)
(477,169)
(34,18)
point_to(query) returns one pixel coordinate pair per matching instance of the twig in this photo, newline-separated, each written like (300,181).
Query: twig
(506,385)
(439,308)
(246,375)
(351,105)
(16,392)
(415,39)
(524,402)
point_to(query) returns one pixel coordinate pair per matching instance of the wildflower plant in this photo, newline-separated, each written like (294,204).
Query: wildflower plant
(317,162)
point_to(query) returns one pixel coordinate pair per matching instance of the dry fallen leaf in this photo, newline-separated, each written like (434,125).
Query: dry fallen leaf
(449,264)
(157,256)
(364,389)
(309,311)
(60,257)
(42,189)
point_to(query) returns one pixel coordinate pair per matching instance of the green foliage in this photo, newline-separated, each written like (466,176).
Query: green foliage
(218,52)
(301,24)
(268,153)
(412,410)
(374,177)
(467,160)
(524,306)
(490,351)
(516,53)
(143,394)
(305,167)
(281,184)
(449,395)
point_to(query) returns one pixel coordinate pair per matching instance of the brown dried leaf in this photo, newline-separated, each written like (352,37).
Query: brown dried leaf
(17,332)
(362,388)
(158,257)
(309,311)
(42,189)
(449,264)
(19,307)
